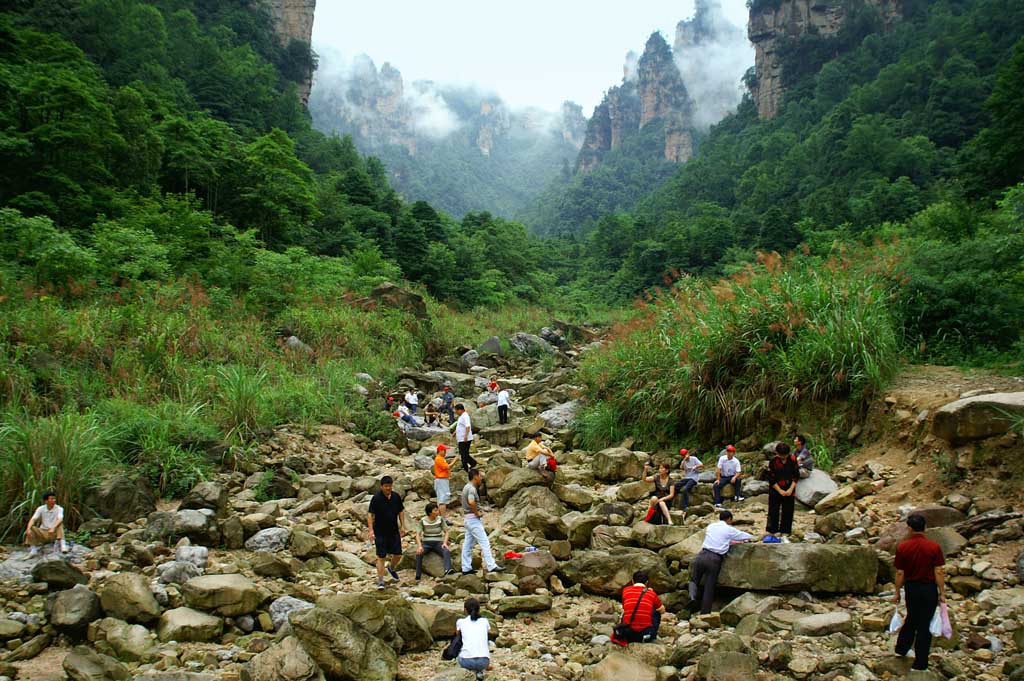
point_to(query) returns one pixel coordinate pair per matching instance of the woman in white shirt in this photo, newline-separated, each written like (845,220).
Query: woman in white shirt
(475,654)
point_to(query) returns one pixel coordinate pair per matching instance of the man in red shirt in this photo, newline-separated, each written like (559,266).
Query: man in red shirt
(919,563)
(641,610)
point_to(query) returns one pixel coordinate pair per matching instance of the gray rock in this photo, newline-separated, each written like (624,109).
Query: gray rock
(177,572)
(560,416)
(492,346)
(285,661)
(282,607)
(197,555)
(824,624)
(271,539)
(127,596)
(469,359)
(800,567)
(208,495)
(616,464)
(341,648)
(128,642)
(605,573)
(618,666)
(978,417)
(85,664)
(57,573)
(228,595)
(122,499)
(727,666)
(186,624)
(72,610)
(198,525)
(814,488)
(511,605)
(530,345)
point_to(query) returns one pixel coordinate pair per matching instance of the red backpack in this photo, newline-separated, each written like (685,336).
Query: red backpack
(552,464)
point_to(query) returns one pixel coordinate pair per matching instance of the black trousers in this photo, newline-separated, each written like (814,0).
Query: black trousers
(502,413)
(467,460)
(780,512)
(922,599)
(706,565)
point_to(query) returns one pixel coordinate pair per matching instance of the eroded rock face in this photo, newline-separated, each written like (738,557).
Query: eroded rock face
(800,567)
(975,418)
(285,661)
(342,649)
(773,25)
(293,21)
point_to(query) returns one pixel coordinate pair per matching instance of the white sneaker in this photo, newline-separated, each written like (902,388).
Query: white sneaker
(63,546)
(33,551)
(739,499)
(785,539)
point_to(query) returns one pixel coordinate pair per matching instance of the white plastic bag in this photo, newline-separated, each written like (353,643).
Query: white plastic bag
(896,622)
(947,626)
(935,626)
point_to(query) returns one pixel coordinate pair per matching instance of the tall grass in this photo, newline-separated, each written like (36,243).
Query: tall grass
(241,401)
(712,358)
(59,453)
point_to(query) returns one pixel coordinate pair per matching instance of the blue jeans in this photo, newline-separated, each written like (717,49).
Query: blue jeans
(717,488)
(685,486)
(475,534)
(475,664)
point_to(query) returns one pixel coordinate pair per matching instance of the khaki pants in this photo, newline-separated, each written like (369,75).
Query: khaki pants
(37,536)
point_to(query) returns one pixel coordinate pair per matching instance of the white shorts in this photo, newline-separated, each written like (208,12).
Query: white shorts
(442,488)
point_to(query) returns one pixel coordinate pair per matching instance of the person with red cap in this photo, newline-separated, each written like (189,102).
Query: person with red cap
(691,467)
(727,472)
(442,479)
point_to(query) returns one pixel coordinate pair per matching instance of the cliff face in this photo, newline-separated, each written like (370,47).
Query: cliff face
(293,20)
(772,25)
(652,90)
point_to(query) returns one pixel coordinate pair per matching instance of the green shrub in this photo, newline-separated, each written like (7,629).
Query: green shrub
(712,358)
(598,426)
(240,401)
(66,454)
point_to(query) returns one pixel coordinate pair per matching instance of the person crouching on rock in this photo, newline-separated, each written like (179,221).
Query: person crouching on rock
(662,495)
(476,653)
(46,525)
(641,613)
(431,416)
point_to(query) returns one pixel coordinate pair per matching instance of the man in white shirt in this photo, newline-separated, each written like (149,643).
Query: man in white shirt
(728,472)
(46,525)
(412,400)
(464,436)
(474,525)
(718,539)
(503,404)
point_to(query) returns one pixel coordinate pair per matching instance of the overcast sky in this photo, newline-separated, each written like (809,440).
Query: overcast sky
(530,52)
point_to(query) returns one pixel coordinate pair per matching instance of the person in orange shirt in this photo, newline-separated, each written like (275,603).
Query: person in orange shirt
(442,479)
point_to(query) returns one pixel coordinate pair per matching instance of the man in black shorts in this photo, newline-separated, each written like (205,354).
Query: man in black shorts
(386,524)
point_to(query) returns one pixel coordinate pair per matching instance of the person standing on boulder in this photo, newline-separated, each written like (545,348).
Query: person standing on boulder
(804,458)
(475,533)
(386,524)
(919,562)
(464,436)
(641,610)
(412,400)
(447,398)
(442,479)
(691,467)
(46,525)
(718,539)
(504,401)
(727,472)
(432,537)
(783,474)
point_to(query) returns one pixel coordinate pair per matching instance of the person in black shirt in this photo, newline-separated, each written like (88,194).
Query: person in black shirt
(783,474)
(386,524)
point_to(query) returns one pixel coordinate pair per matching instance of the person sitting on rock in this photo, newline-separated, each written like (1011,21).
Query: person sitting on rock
(431,416)
(403,414)
(447,400)
(727,472)
(46,525)
(691,467)
(641,611)
(661,497)
(476,652)
(493,386)
(537,454)
(432,537)
(718,539)
(804,458)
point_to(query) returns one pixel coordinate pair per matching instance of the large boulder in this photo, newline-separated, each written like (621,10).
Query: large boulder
(127,596)
(824,624)
(539,563)
(511,605)
(836,501)
(749,603)
(530,345)
(560,416)
(341,648)
(128,642)
(616,464)
(177,572)
(196,525)
(285,661)
(85,664)
(186,624)
(57,573)
(727,666)
(502,435)
(72,610)
(580,527)
(800,567)
(304,545)
(122,499)
(815,487)
(208,495)
(517,510)
(410,626)
(576,496)
(516,480)
(975,418)
(283,607)
(398,298)
(440,617)
(605,573)
(657,537)
(618,666)
(228,595)
(271,539)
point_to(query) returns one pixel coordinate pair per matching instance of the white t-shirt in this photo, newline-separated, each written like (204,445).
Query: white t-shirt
(691,466)
(412,398)
(720,535)
(474,637)
(503,399)
(729,467)
(47,519)
(464,428)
